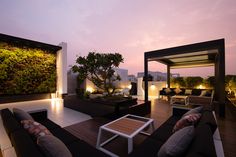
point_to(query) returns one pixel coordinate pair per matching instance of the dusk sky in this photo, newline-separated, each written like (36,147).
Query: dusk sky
(129,27)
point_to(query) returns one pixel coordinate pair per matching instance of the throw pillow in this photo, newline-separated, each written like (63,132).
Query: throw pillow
(178,143)
(178,90)
(34,128)
(186,121)
(203,93)
(188,92)
(194,110)
(53,147)
(167,90)
(21,114)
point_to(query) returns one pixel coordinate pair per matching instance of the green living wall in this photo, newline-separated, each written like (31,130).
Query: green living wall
(26,70)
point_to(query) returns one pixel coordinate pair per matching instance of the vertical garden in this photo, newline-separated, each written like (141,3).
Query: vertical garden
(25,70)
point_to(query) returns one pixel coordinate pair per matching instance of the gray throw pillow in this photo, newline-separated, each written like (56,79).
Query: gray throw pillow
(21,114)
(194,110)
(53,147)
(178,143)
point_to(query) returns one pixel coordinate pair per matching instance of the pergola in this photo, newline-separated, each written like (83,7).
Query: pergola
(210,53)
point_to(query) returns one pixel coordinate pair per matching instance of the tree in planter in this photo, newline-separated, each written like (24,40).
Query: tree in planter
(99,69)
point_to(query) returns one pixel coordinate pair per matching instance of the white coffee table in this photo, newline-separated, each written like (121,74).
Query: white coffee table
(179,99)
(127,126)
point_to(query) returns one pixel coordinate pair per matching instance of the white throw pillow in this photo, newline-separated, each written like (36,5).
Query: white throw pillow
(188,91)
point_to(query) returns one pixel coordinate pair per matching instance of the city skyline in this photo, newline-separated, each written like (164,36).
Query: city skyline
(127,27)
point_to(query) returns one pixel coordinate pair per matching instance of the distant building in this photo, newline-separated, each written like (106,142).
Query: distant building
(132,78)
(123,73)
(158,76)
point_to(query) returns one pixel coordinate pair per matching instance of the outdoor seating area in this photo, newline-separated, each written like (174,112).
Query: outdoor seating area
(117,78)
(158,134)
(139,128)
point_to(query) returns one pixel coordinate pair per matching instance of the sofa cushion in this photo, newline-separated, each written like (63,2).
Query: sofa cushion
(162,133)
(9,121)
(23,144)
(80,148)
(196,92)
(188,92)
(21,114)
(194,110)
(209,119)
(187,120)
(63,135)
(53,147)
(34,128)
(148,148)
(177,90)
(167,90)
(178,143)
(203,93)
(172,120)
(50,125)
(202,144)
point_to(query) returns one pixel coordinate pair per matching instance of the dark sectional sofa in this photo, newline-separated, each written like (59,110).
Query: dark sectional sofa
(107,109)
(201,146)
(195,92)
(25,145)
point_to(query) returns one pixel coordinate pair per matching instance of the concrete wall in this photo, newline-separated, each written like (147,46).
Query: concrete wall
(62,69)
(153,87)
(71,82)
(123,73)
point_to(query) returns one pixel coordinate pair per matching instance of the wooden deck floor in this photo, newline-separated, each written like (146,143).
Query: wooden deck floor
(161,111)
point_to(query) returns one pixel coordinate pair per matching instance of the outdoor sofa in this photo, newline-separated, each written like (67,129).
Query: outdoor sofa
(202,144)
(107,109)
(195,97)
(25,145)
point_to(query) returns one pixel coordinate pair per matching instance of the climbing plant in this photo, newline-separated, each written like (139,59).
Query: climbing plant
(25,70)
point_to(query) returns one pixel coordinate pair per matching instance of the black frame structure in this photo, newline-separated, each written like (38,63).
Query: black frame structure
(209,53)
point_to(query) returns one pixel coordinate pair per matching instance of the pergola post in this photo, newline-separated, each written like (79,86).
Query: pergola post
(168,76)
(145,78)
(221,80)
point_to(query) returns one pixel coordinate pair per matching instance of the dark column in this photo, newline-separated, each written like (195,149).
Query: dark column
(221,79)
(168,76)
(146,78)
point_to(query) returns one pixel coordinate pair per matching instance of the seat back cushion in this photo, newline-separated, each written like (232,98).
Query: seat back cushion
(209,119)
(194,110)
(21,114)
(53,147)
(24,145)
(9,122)
(202,144)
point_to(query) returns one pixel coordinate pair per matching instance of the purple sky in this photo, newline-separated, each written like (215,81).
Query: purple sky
(129,27)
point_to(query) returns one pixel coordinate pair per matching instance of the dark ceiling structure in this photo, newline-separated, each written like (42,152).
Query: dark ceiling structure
(210,53)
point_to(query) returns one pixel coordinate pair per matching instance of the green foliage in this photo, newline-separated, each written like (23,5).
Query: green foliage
(230,82)
(192,82)
(26,70)
(177,82)
(99,68)
(210,82)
